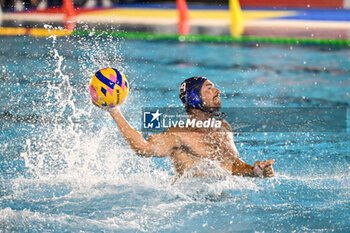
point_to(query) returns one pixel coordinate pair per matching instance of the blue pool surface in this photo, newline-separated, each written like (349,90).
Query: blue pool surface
(64,166)
(321,15)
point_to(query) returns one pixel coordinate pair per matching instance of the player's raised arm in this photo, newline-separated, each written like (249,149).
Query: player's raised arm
(157,145)
(109,88)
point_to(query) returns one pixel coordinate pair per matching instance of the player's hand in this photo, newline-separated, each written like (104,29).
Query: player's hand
(113,109)
(264,168)
(108,109)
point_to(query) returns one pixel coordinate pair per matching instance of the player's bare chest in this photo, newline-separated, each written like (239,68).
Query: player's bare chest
(210,145)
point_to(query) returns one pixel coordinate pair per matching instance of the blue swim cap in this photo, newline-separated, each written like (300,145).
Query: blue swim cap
(190,92)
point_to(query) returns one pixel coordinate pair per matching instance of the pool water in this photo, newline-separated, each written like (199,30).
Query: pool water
(64,167)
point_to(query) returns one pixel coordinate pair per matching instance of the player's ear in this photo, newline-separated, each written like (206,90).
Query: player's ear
(193,99)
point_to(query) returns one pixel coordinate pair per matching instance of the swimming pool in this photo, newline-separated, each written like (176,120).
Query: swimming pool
(65,167)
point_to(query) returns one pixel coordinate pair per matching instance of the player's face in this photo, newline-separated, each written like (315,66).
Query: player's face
(210,96)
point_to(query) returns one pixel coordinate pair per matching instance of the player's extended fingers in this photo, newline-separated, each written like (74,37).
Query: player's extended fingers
(268,170)
(266,165)
(271,173)
(269,162)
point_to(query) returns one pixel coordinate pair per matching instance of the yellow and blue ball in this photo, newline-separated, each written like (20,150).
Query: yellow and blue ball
(108,88)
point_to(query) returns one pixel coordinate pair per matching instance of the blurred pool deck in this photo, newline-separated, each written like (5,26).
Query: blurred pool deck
(291,23)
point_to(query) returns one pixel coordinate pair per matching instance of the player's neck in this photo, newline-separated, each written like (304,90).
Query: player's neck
(200,115)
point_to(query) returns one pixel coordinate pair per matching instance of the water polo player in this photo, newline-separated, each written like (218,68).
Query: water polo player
(191,146)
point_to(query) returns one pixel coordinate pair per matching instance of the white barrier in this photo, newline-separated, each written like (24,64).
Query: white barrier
(346,4)
(0,14)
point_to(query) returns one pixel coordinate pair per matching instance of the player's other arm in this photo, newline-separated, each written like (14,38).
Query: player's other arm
(157,145)
(239,168)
